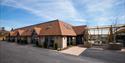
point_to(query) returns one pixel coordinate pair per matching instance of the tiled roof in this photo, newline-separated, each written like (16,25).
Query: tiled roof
(79,29)
(66,29)
(50,28)
(20,31)
(3,32)
(55,27)
(27,32)
(37,30)
(13,33)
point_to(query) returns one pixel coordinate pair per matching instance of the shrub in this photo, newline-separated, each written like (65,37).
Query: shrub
(56,46)
(87,44)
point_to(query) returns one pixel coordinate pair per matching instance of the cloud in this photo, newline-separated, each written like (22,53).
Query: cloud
(101,5)
(56,9)
(8,24)
(99,11)
(102,19)
(110,20)
(79,20)
(121,19)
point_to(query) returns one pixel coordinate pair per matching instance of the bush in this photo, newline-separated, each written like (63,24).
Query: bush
(56,46)
(58,49)
(40,46)
(87,44)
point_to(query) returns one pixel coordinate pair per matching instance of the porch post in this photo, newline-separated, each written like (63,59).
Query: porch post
(15,39)
(28,40)
(74,40)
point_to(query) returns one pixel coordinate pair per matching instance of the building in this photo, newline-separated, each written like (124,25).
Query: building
(120,35)
(98,35)
(53,34)
(3,33)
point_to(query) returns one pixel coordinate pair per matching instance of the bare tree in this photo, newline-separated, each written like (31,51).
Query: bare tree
(115,27)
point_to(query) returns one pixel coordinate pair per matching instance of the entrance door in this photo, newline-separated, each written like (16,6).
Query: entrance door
(34,38)
(49,42)
(46,42)
(79,40)
(69,41)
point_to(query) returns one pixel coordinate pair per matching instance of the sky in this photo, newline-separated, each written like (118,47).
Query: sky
(20,13)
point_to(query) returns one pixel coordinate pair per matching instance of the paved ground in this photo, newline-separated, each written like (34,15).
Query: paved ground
(14,53)
(111,56)
(74,50)
(123,50)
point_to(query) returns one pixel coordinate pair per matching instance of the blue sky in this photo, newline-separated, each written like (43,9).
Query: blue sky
(20,13)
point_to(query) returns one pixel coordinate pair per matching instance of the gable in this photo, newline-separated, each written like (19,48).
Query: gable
(66,29)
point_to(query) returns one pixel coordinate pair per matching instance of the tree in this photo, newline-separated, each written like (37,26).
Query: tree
(12,29)
(115,27)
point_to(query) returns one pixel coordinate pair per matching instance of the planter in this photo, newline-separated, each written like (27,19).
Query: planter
(115,46)
(87,44)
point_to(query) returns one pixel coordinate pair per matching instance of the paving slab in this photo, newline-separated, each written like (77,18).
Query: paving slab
(74,50)
(123,50)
